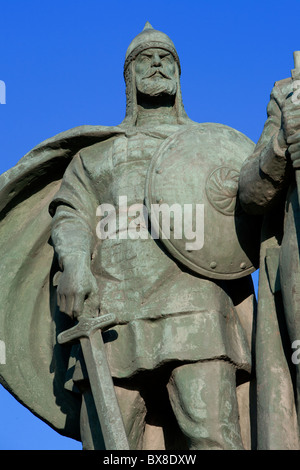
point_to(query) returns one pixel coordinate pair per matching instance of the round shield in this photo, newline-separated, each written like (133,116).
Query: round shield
(191,197)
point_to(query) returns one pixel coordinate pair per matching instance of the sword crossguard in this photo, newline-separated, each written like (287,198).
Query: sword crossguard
(85,327)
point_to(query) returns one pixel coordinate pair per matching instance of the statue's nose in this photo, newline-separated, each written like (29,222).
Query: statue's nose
(156,61)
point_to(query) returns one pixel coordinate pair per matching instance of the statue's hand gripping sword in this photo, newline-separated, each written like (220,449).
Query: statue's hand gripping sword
(88,332)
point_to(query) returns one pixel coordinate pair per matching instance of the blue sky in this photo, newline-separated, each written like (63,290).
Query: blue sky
(62,64)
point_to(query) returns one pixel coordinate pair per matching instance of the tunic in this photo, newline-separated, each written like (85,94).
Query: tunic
(165,312)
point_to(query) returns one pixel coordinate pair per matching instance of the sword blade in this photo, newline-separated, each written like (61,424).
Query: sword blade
(103,391)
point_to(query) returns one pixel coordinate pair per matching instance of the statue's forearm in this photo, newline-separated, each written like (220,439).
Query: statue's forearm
(264,173)
(262,180)
(272,160)
(72,238)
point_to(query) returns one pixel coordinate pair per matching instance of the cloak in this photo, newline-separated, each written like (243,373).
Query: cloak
(33,367)
(276,410)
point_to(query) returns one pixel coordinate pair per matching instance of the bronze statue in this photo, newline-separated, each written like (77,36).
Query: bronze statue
(178,317)
(268,186)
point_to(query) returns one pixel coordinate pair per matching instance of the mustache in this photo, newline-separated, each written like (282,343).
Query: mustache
(157,71)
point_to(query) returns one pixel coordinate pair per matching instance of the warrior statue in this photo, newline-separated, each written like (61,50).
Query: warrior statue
(269,186)
(180,348)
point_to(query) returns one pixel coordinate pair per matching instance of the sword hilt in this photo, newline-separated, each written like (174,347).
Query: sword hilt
(296,70)
(85,327)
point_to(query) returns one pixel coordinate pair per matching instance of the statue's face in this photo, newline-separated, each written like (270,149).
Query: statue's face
(155,72)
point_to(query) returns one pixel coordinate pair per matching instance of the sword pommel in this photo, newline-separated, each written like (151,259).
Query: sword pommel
(85,327)
(297,59)
(296,70)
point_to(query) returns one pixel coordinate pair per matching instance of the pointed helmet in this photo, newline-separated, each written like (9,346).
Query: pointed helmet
(148,38)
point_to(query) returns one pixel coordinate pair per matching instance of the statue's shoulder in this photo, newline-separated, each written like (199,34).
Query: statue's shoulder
(281,89)
(100,152)
(283,82)
(103,146)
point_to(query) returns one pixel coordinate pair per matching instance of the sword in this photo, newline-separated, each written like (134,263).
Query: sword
(88,332)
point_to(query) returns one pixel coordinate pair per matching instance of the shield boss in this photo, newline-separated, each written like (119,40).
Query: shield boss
(192,182)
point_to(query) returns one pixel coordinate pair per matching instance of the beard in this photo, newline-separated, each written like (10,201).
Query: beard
(156,85)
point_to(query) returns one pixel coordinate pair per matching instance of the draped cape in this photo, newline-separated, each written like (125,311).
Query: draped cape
(32,365)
